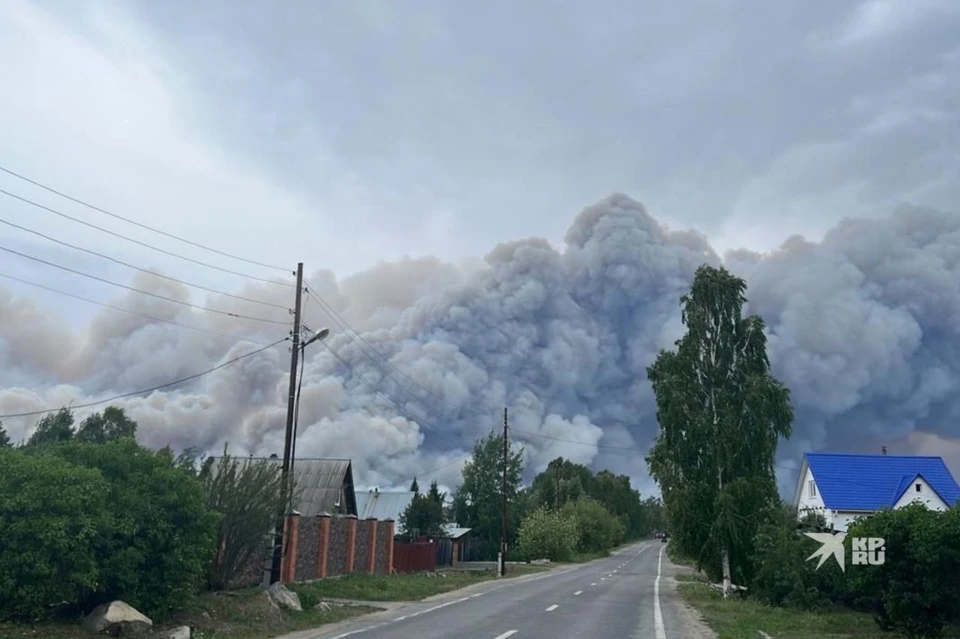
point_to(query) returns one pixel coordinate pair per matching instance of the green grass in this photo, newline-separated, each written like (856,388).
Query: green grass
(743,618)
(400,587)
(241,614)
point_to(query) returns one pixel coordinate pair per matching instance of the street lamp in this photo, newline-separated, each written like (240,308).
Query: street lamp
(287,478)
(319,336)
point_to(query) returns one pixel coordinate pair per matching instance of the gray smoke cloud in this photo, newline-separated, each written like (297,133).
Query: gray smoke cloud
(862,327)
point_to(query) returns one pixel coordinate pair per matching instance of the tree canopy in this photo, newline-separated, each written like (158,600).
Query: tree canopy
(477,503)
(424,515)
(721,413)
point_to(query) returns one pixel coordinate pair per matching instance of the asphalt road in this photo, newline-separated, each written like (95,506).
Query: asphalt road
(628,595)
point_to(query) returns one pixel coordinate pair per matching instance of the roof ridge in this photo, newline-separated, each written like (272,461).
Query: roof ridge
(940,457)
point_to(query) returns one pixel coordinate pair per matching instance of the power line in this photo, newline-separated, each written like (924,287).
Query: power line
(137,290)
(139,243)
(376,357)
(346,327)
(128,311)
(151,389)
(135,223)
(384,397)
(138,268)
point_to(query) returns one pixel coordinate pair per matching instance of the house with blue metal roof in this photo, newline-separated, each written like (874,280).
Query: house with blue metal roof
(844,487)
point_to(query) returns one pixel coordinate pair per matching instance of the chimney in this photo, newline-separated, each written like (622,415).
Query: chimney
(883,450)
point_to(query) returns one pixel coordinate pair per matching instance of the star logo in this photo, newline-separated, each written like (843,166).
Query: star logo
(830,544)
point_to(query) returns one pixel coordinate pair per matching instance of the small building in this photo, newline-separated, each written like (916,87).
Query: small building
(844,487)
(319,485)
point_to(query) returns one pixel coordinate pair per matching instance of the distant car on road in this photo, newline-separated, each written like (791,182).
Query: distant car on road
(664,537)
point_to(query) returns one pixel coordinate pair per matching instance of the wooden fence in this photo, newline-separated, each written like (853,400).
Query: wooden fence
(415,557)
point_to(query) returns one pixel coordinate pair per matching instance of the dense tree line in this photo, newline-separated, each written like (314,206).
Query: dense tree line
(87,516)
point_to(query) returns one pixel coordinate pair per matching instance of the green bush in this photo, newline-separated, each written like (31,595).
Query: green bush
(50,515)
(599,529)
(546,534)
(782,575)
(159,537)
(916,589)
(245,493)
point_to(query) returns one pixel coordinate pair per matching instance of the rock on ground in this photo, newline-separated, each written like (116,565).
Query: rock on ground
(117,618)
(284,598)
(183,632)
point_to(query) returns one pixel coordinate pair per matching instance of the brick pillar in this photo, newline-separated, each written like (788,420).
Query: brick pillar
(389,550)
(351,543)
(288,568)
(372,544)
(323,545)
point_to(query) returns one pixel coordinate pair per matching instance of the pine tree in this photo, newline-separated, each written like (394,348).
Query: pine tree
(415,487)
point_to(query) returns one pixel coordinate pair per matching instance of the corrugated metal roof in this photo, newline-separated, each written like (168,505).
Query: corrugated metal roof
(320,485)
(872,482)
(386,505)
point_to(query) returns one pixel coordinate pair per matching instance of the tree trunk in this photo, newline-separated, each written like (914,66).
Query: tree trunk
(725,561)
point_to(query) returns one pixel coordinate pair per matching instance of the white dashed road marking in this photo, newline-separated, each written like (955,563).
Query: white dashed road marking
(579,592)
(657,613)
(594,584)
(552,608)
(508,633)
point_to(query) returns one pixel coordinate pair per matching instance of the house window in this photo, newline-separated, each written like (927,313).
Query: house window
(919,489)
(813,488)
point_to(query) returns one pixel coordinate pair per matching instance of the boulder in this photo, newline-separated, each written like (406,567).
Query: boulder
(183,632)
(281,596)
(118,618)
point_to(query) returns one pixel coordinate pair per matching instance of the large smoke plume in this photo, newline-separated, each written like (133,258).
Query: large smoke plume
(863,328)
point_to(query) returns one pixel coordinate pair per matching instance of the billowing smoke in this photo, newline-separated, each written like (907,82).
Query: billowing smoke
(863,328)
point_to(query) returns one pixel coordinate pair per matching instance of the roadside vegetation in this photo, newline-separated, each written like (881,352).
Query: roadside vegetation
(90,516)
(721,414)
(568,512)
(412,586)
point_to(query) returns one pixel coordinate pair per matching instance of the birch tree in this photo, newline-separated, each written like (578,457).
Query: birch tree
(721,413)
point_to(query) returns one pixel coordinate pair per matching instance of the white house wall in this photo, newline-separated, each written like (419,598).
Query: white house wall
(926,496)
(807,503)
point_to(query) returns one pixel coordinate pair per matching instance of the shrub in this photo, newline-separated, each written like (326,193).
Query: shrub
(782,575)
(915,590)
(158,538)
(50,515)
(549,535)
(599,529)
(245,494)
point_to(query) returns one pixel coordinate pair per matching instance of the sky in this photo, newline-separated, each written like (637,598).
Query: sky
(395,151)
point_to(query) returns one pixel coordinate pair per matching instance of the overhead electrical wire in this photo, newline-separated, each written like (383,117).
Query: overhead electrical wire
(383,396)
(377,358)
(148,390)
(143,244)
(128,311)
(337,318)
(137,290)
(93,207)
(138,268)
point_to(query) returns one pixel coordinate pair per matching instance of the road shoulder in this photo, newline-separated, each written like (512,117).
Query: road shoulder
(686,616)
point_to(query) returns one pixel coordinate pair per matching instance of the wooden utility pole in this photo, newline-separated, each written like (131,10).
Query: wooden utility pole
(285,472)
(503,511)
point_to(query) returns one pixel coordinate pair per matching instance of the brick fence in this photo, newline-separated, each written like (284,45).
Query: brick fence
(327,546)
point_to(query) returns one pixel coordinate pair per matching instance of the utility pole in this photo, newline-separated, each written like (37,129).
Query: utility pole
(503,511)
(285,472)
